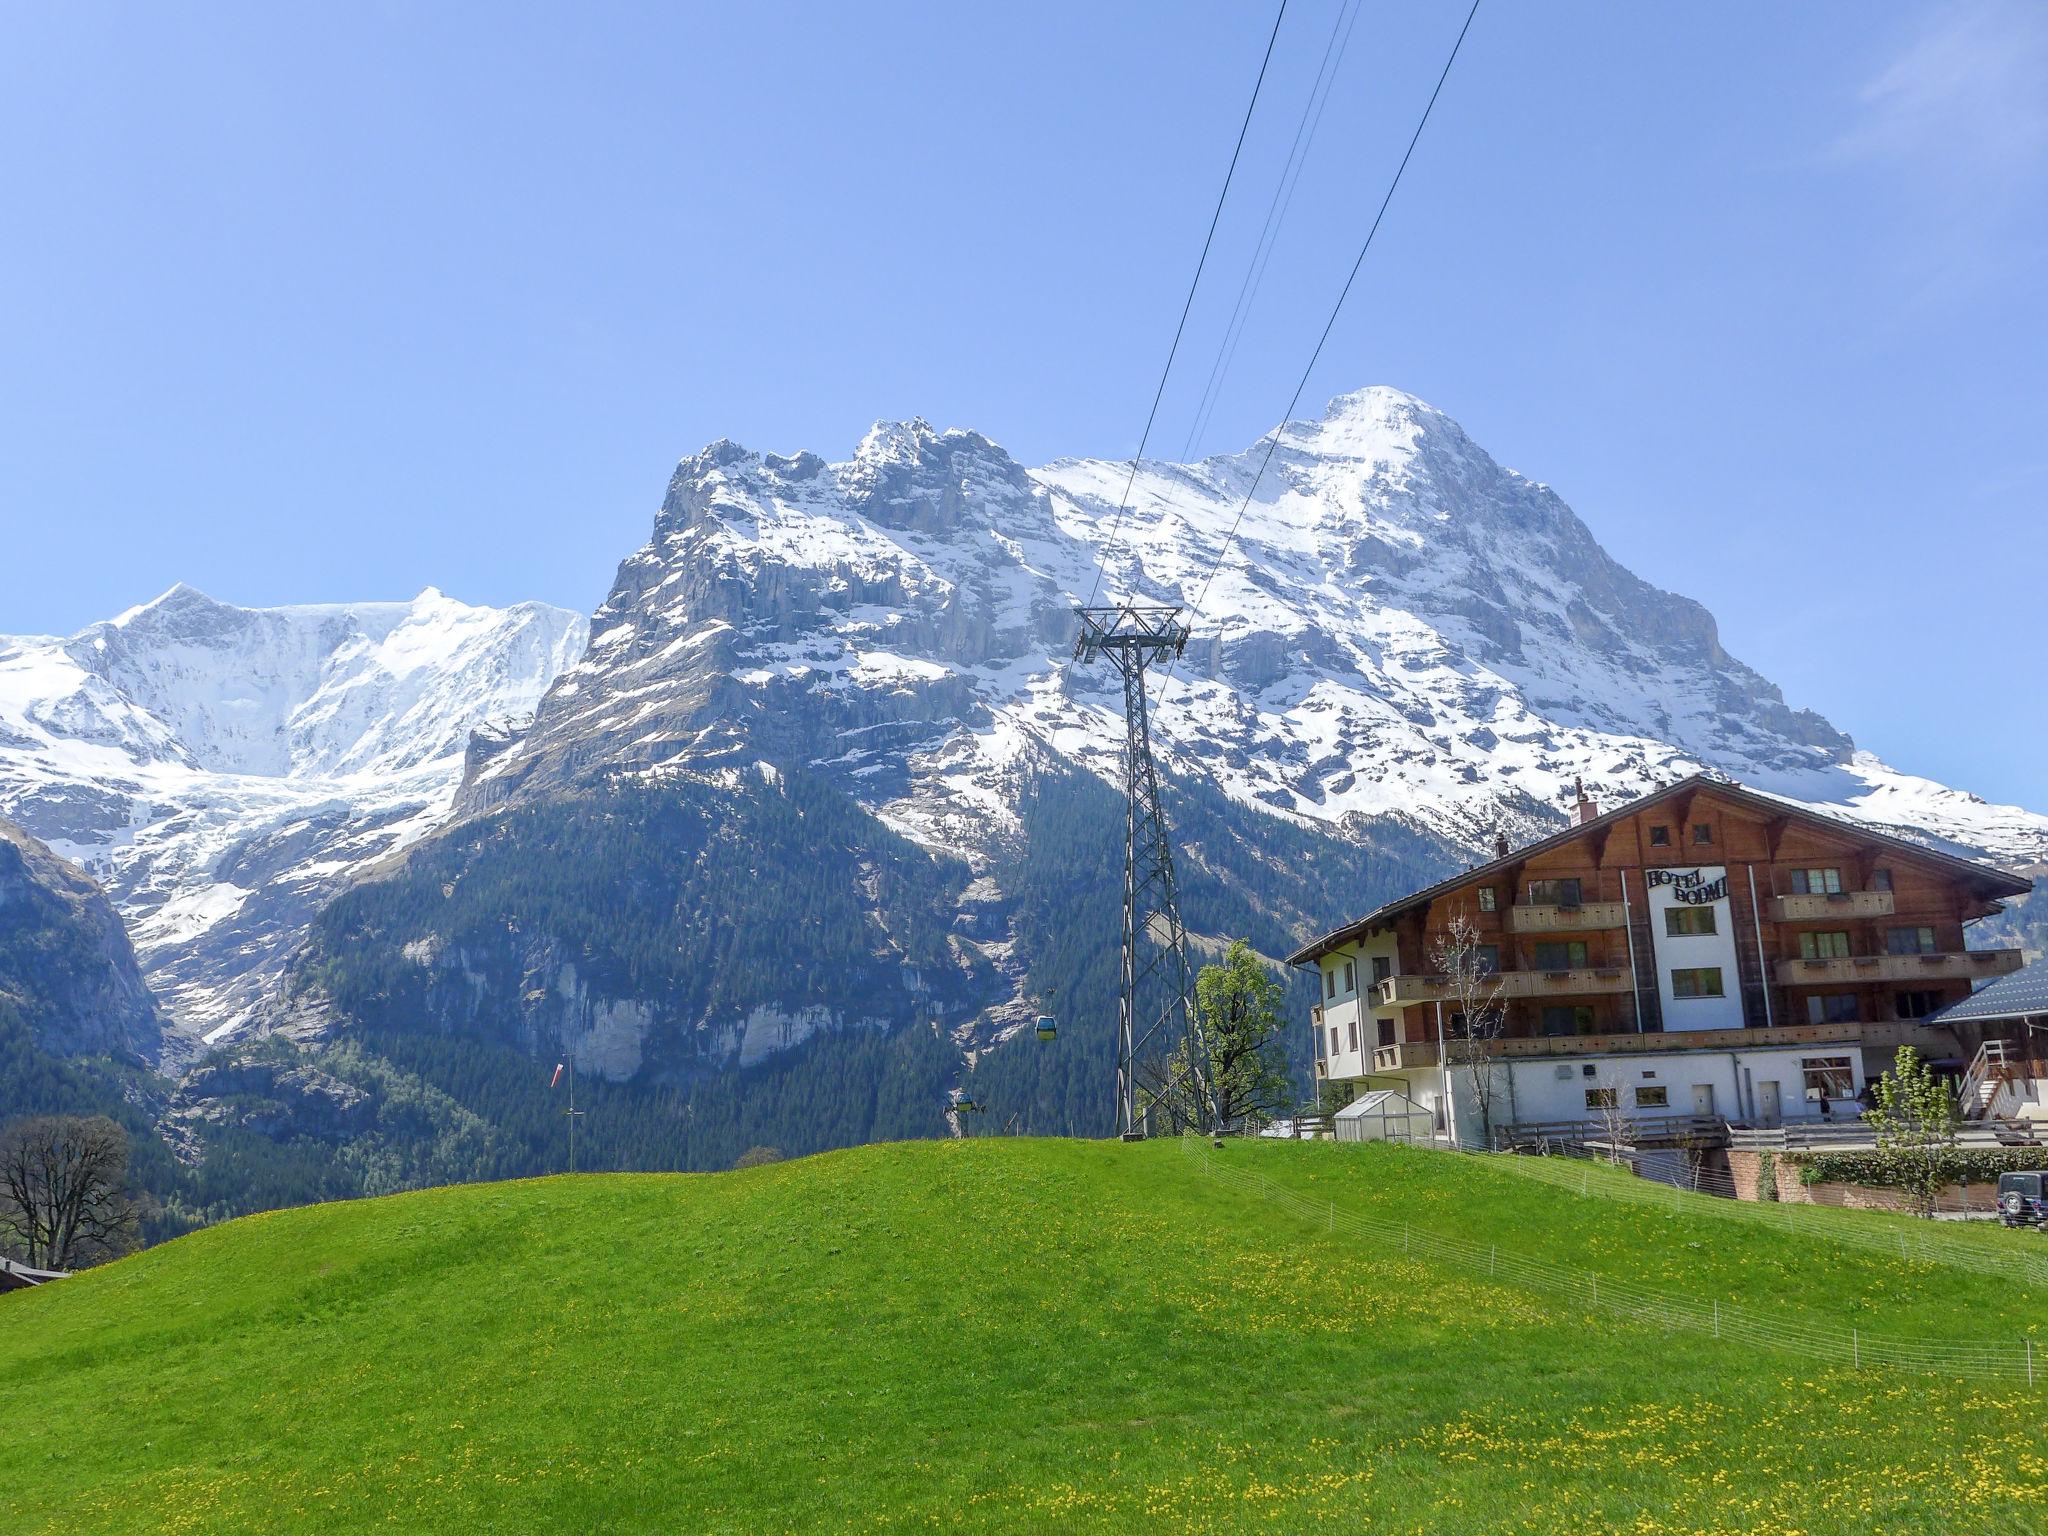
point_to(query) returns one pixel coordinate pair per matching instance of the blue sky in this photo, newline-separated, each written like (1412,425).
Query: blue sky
(327,302)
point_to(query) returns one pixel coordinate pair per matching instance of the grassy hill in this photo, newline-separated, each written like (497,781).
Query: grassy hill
(994,1336)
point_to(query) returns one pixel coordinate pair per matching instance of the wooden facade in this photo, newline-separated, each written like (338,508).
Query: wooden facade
(1811,921)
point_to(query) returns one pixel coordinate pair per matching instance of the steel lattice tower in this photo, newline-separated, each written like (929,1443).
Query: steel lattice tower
(1156,1011)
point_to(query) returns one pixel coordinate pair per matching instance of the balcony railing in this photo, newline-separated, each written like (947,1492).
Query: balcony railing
(1852,970)
(1534,917)
(1422,1053)
(1406,991)
(1841,904)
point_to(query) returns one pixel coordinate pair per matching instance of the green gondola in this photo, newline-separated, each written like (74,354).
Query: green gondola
(1047,1029)
(964,1104)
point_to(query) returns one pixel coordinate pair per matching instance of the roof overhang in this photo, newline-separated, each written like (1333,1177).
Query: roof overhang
(1996,882)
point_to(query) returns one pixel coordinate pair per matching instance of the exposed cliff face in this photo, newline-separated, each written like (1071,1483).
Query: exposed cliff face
(1402,629)
(65,963)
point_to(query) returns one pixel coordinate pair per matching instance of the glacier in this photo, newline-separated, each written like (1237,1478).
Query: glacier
(221,769)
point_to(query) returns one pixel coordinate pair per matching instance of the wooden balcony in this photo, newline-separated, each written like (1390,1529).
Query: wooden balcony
(1422,1053)
(1898,969)
(1526,917)
(1407,991)
(1845,905)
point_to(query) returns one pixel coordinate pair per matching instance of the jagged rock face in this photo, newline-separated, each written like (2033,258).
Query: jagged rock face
(65,961)
(223,770)
(271,1098)
(1401,629)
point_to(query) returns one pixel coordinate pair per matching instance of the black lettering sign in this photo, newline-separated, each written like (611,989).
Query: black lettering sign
(1690,886)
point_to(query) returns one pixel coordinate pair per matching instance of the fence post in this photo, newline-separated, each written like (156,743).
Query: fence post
(1855,1350)
(1717,1317)
(1585,1179)
(2030,1362)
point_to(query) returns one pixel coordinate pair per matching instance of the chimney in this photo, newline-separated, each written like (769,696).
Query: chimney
(1500,842)
(1584,810)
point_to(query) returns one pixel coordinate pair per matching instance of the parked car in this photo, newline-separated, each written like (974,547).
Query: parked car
(2020,1201)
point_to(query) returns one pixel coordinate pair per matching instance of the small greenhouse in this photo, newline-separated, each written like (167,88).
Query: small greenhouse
(1384,1115)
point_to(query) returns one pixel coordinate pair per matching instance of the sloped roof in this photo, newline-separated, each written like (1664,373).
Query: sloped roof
(1381,1102)
(2025,991)
(1996,881)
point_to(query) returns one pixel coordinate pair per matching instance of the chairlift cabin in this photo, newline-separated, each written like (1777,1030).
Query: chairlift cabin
(1384,1115)
(963,1104)
(1047,1029)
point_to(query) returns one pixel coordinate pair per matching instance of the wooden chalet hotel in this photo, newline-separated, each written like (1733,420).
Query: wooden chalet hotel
(1704,953)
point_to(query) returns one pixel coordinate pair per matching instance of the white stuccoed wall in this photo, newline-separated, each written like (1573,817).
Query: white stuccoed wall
(1684,952)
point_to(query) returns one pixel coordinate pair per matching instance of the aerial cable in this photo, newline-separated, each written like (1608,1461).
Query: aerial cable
(1273,437)
(1276,216)
(1188,304)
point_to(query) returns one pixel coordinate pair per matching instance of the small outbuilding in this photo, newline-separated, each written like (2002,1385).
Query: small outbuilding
(1384,1114)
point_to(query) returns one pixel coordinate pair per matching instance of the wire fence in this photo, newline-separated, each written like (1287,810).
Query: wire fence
(1974,1359)
(1663,1182)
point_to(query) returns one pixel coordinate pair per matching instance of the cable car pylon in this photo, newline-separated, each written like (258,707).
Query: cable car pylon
(1156,1011)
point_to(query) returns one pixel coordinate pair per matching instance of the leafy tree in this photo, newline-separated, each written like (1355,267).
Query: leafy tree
(1915,1121)
(63,1190)
(1238,1001)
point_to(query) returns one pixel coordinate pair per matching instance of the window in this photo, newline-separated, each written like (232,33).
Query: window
(1567,1021)
(1682,922)
(1699,981)
(1648,1097)
(1354,1034)
(1486,958)
(1330,983)
(1333,1039)
(1382,968)
(1599,1098)
(1660,837)
(1486,900)
(1828,1077)
(1816,882)
(1350,976)
(1880,879)
(1824,946)
(1561,955)
(1833,1008)
(1386,1031)
(1909,941)
(1915,1005)
(1554,893)
(1454,1026)
(1702,833)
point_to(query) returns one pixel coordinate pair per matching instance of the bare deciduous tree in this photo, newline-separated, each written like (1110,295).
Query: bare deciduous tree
(1472,990)
(63,1200)
(1617,1124)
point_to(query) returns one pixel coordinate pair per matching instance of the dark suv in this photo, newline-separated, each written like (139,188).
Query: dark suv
(2020,1203)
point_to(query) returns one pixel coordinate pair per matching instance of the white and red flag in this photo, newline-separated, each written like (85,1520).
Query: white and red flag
(558,1074)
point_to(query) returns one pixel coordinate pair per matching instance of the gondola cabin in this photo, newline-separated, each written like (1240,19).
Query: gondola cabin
(1047,1028)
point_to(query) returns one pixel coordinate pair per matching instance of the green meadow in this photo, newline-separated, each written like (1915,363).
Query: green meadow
(1000,1335)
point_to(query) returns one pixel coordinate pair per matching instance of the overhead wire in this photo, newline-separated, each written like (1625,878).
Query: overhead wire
(1272,439)
(1102,560)
(1276,218)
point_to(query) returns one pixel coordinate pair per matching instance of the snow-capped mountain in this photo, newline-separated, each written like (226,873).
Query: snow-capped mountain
(1401,629)
(222,769)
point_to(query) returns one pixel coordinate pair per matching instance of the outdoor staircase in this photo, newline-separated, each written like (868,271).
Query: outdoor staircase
(2001,1076)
